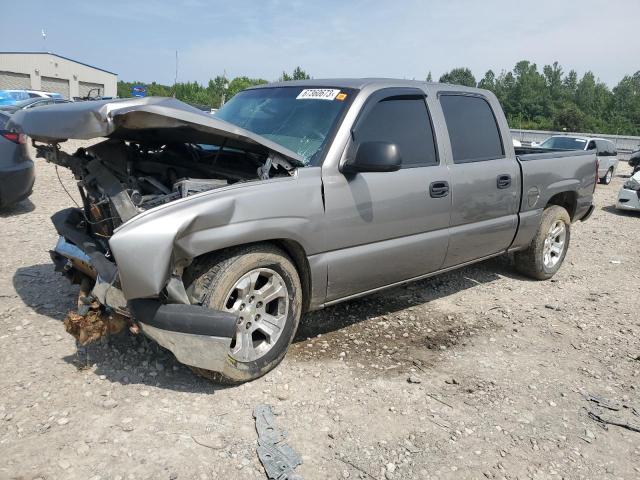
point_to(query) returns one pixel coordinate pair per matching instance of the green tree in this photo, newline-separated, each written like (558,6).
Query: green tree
(240,83)
(297,74)
(488,81)
(569,119)
(625,104)
(459,76)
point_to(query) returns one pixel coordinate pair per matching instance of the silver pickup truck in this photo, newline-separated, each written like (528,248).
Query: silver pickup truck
(214,234)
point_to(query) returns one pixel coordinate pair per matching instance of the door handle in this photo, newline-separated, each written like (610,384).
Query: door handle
(504,181)
(439,189)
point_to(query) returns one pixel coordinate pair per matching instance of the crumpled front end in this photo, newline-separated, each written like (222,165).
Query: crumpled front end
(629,196)
(162,160)
(196,335)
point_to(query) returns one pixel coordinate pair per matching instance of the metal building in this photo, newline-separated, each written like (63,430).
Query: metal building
(54,73)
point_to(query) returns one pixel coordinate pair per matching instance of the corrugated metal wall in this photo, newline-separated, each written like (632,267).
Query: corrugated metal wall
(57,85)
(14,81)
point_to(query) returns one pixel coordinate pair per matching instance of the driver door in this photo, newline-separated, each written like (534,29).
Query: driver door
(387,227)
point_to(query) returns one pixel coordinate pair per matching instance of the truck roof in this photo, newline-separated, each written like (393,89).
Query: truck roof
(360,83)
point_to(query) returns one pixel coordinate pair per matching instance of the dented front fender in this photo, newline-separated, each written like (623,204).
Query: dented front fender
(147,247)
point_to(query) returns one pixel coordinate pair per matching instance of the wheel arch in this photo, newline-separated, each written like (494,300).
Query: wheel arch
(567,199)
(296,253)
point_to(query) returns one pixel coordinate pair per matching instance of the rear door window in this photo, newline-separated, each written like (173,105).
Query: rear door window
(403,121)
(601,148)
(473,130)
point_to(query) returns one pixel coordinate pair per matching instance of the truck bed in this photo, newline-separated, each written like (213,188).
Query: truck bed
(567,175)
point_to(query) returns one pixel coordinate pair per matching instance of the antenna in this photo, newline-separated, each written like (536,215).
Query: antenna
(175,81)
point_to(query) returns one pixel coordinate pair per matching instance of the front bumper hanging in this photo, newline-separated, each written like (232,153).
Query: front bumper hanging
(197,336)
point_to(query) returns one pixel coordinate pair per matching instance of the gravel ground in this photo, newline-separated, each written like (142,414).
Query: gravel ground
(479,373)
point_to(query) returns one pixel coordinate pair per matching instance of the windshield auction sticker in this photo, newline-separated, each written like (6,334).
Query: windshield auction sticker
(318,94)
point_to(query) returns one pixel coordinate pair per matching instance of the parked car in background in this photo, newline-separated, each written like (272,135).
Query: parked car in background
(629,196)
(605,151)
(311,193)
(634,161)
(16,168)
(32,103)
(10,97)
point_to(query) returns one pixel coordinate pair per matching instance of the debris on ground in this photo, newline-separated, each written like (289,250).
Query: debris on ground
(93,326)
(608,419)
(278,459)
(603,420)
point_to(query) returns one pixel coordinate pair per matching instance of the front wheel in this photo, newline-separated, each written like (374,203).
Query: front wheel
(544,256)
(260,284)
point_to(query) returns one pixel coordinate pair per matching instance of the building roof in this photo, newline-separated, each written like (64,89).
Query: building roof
(59,56)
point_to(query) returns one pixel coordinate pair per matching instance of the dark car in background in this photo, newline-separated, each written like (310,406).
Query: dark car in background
(16,168)
(634,161)
(32,103)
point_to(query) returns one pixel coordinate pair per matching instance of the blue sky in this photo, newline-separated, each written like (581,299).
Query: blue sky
(400,38)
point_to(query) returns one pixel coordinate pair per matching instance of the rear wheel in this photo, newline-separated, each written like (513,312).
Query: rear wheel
(260,284)
(606,180)
(544,256)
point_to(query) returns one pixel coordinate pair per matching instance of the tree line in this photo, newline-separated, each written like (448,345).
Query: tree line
(211,95)
(553,100)
(537,100)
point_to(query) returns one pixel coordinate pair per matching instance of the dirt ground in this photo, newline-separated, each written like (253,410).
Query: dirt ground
(479,373)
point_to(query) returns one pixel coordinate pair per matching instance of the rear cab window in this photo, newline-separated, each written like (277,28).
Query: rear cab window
(404,121)
(567,143)
(473,130)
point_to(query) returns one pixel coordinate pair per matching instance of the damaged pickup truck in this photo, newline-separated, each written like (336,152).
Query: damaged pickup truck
(213,235)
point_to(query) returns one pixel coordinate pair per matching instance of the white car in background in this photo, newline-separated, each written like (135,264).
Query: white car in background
(605,152)
(629,196)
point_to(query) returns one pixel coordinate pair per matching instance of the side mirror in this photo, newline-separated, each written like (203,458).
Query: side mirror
(374,157)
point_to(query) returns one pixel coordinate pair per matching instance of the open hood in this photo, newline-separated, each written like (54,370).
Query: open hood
(152,120)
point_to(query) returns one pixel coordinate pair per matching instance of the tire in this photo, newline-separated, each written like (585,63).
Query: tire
(213,280)
(606,180)
(531,262)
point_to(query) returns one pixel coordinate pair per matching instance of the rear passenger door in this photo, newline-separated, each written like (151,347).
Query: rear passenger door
(607,159)
(386,227)
(485,182)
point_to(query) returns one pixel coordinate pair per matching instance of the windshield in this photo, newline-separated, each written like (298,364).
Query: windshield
(564,143)
(300,119)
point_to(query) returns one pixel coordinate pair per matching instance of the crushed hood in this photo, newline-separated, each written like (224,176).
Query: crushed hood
(147,120)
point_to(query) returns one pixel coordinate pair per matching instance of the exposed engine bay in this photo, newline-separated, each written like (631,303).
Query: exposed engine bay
(118,180)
